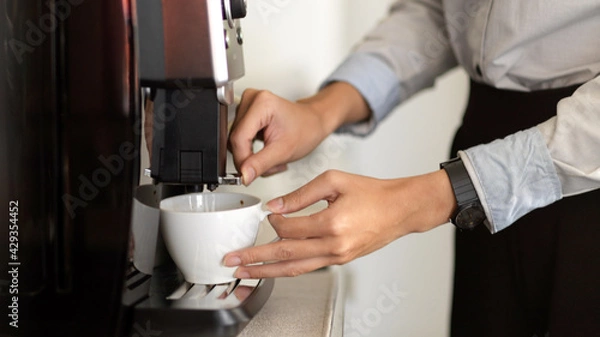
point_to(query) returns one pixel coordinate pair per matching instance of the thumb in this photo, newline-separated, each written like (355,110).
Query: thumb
(271,159)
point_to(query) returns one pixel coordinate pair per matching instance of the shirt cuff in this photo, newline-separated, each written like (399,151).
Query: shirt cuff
(376,82)
(512,177)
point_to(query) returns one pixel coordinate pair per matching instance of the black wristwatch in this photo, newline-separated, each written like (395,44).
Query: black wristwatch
(469,212)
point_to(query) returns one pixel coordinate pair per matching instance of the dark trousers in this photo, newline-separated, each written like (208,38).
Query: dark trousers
(540,276)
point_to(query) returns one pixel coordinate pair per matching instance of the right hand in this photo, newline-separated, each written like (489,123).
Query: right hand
(363,215)
(290,131)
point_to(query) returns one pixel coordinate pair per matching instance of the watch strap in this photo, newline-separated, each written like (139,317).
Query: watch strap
(463,187)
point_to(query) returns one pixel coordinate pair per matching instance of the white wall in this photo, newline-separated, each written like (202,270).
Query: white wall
(291,46)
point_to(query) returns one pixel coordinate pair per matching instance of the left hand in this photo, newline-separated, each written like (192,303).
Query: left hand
(364,214)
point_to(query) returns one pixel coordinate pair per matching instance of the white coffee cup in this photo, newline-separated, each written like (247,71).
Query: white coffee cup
(200,228)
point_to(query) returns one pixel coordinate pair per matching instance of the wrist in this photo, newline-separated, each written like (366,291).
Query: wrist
(337,104)
(426,201)
(443,195)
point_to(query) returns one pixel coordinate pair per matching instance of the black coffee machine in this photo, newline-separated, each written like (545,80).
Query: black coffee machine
(75,79)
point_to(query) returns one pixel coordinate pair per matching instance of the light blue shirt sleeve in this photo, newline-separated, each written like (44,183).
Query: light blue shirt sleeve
(512,177)
(397,59)
(377,83)
(541,165)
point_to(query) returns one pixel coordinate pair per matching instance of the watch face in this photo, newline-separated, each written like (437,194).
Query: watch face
(470,216)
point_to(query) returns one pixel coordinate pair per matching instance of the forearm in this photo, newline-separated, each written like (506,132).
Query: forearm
(338,103)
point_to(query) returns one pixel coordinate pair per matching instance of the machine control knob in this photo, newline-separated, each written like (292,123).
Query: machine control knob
(237,9)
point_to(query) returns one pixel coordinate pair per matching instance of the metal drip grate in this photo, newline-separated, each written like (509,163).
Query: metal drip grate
(181,309)
(214,296)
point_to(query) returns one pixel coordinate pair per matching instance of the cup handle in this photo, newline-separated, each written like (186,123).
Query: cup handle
(264,215)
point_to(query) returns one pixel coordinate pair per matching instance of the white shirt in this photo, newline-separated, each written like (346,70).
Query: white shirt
(509,44)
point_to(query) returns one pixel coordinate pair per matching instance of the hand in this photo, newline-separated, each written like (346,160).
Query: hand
(290,130)
(364,214)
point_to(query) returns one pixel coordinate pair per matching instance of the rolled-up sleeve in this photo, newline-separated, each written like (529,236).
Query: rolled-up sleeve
(539,166)
(404,54)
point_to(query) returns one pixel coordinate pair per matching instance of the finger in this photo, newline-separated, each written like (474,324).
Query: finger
(273,155)
(244,104)
(275,170)
(240,111)
(322,187)
(148,124)
(278,251)
(244,129)
(283,269)
(312,226)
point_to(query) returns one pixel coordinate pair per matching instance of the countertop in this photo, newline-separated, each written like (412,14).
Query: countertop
(309,305)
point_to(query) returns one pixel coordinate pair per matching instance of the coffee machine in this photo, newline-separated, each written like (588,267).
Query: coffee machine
(75,79)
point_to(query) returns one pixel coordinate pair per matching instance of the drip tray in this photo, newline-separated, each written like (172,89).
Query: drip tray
(175,308)
(213,297)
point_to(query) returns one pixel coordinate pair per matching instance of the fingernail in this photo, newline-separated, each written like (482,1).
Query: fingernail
(248,176)
(241,274)
(233,261)
(275,205)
